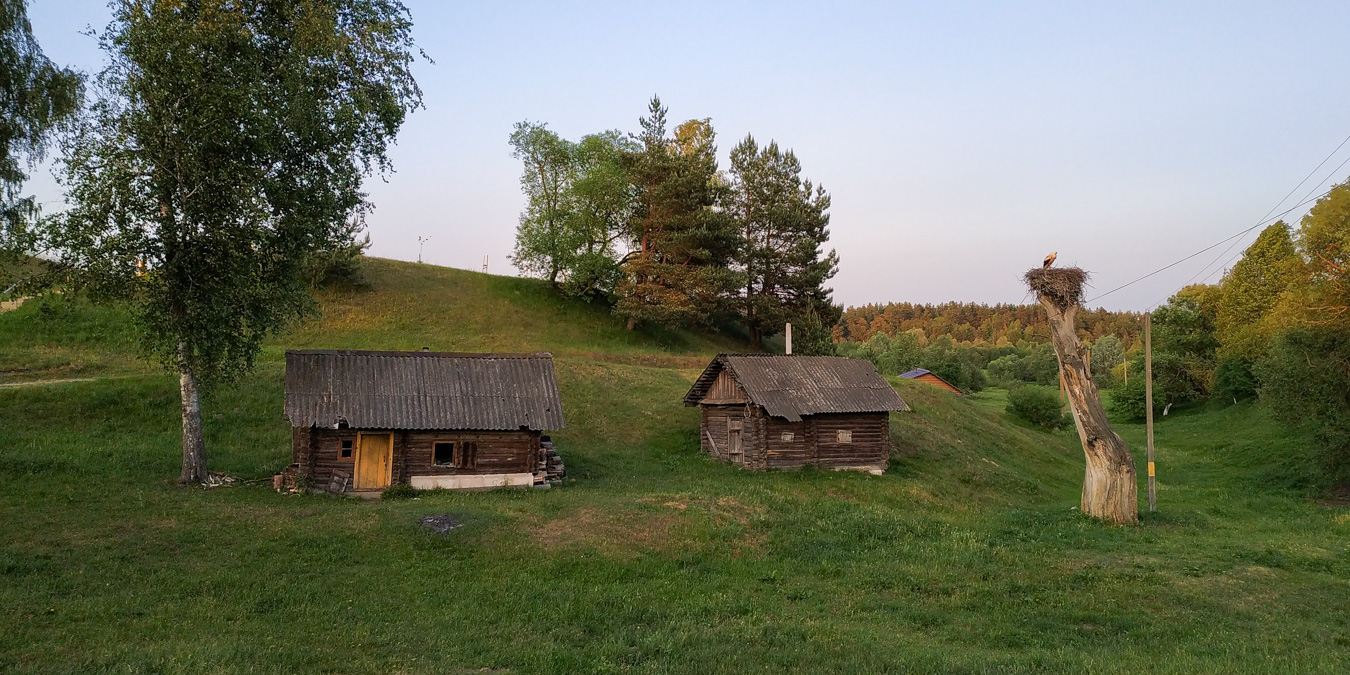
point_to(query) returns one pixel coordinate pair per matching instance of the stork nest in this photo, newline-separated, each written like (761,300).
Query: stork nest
(1063,286)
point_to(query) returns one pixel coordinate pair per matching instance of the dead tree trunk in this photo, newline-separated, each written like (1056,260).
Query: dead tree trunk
(1110,483)
(194,445)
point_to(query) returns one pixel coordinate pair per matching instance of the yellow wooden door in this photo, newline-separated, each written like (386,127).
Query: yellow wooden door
(374,461)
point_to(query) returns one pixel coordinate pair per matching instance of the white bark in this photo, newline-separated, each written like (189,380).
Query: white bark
(194,445)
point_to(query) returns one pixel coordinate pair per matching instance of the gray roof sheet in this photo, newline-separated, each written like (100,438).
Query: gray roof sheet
(793,386)
(422,390)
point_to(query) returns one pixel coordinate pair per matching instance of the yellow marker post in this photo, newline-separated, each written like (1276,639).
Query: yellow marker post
(1150,469)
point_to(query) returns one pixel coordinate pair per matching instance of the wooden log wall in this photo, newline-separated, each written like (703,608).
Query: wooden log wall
(317,452)
(814,441)
(870,440)
(498,452)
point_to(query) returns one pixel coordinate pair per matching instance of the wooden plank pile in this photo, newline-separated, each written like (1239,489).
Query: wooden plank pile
(549,469)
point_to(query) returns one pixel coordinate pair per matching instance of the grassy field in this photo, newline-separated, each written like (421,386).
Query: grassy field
(967,556)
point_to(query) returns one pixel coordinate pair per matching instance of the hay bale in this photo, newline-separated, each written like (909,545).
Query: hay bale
(1063,286)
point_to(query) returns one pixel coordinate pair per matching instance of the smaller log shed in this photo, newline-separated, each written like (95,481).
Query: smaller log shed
(369,419)
(931,378)
(767,411)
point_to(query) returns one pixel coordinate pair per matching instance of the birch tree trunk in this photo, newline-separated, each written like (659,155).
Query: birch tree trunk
(194,445)
(1110,483)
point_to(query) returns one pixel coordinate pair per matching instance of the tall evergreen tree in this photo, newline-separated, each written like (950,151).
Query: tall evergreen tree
(1250,291)
(230,144)
(35,97)
(783,223)
(677,272)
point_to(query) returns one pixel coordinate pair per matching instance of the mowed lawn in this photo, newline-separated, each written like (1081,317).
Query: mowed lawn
(967,556)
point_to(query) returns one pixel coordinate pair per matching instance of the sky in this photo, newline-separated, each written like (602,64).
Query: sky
(960,141)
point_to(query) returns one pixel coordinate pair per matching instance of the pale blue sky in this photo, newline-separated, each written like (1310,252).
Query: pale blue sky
(960,141)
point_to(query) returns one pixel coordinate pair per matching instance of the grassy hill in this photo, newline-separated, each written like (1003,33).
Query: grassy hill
(967,556)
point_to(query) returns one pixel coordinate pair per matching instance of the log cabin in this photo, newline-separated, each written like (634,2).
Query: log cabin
(784,412)
(932,378)
(364,420)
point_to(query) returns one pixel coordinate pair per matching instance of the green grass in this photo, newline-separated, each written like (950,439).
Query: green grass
(967,556)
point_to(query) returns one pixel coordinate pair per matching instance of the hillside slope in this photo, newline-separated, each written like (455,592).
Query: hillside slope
(967,556)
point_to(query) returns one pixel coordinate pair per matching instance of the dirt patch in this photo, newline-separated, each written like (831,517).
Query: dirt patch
(619,533)
(659,523)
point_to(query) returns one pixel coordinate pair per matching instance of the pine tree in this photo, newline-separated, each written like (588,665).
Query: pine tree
(782,221)
(677,272)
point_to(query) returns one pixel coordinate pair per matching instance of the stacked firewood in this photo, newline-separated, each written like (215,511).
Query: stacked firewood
(549,469)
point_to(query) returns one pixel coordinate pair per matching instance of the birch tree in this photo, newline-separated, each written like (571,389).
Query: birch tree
(227,142)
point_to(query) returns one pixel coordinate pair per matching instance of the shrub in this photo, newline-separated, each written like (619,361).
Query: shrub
(1038,405)
(399,491)
(1003,369)
(1128,399)
(1235,379)
(1304,380)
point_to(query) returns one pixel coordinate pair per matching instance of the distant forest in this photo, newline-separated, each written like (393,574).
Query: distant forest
(973,324)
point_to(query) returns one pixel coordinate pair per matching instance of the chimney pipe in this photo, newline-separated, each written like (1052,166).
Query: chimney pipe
(788,341)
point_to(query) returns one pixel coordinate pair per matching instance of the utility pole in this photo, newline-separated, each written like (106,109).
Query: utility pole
(1148,409)
(485,260)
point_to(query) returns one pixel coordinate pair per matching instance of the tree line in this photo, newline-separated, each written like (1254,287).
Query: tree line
(1276,328)
(648,222)
(978,324)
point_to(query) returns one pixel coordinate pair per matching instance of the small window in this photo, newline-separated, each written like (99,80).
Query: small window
(788,436)
(843,436)
(345,452)
(468,455)
(443,454)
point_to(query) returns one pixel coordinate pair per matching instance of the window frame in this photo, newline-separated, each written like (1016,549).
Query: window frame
(349,445)
(454,452)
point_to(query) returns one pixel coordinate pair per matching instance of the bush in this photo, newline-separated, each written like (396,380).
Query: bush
(1003,369)
(1235,379)
(1304,380)
(1038,405)
(399,491)
(1128,399)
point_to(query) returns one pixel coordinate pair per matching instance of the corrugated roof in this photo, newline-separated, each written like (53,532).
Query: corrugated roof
(792,386)
(920,372)
(422,390)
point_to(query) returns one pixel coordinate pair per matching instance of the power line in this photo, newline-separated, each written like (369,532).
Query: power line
(1265,219)
(1230,246)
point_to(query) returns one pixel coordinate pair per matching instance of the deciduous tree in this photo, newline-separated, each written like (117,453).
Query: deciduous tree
(1324,239)
(1250,291)
(35,97)
(229,142)
(544,242)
